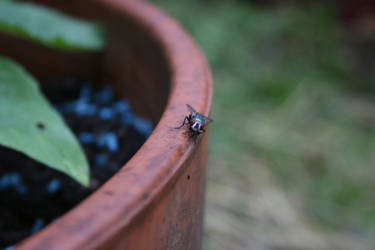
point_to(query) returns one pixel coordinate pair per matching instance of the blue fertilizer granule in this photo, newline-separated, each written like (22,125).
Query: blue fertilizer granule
(13,180)
(106,113)
(82,108)
(143,126)
(85,92)
(122,106)
(127,118)
(86,137)
(53,186)
(9,180)
(38,224)
(101,160)
(22,189)
(105,96)
(109,141)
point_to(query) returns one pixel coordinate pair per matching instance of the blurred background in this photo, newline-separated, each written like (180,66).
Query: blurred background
(292,148)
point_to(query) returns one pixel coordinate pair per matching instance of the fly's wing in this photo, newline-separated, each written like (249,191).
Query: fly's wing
(207,120)
(191,109)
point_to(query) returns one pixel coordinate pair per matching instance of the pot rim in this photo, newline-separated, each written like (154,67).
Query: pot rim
(118,202)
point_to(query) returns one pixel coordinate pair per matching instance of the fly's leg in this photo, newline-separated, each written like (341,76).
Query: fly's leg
(184,122)
(194,135)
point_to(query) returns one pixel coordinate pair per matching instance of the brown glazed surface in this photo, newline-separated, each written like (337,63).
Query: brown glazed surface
(156,200)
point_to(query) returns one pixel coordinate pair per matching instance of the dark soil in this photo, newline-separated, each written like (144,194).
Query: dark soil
(39,194)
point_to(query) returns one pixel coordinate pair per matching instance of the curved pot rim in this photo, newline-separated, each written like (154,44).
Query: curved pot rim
(114,205)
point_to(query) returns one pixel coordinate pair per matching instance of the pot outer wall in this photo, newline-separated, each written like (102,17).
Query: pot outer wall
(156,200)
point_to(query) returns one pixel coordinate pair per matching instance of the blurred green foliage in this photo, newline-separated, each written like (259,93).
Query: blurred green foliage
(286,93)
(50,27)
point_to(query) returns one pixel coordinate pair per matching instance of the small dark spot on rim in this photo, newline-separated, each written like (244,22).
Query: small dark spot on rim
(40,126)
(188,177)
(145,196)
(108,192)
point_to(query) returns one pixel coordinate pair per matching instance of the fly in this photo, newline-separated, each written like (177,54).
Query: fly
(196,122)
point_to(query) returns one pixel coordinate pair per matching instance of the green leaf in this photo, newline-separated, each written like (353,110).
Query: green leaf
(29,124)
(49,27)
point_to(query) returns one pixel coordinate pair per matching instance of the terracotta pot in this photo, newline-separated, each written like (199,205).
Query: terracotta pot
(156,200)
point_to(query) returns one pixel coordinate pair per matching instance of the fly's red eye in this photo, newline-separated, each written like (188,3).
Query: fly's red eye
(192,122)
(202,126)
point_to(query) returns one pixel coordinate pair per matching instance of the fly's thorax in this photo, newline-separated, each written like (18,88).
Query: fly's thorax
(198,118)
